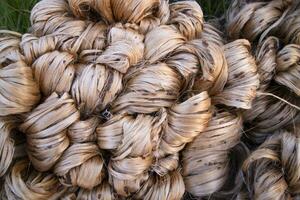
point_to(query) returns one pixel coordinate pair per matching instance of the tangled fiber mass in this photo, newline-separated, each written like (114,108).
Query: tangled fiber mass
(134,99)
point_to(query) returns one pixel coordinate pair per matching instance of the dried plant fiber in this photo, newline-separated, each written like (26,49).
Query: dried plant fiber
(144,99)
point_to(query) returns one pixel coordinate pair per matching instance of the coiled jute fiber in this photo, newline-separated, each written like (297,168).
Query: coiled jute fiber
(134,99)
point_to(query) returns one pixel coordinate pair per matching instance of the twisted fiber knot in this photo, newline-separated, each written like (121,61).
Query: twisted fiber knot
(16,80)
(46,130)
(185,121)
(205,164)
(214,70)
(131,150)
(272,170)
(243,80)
(23,182)
(251,20)
(75,165)
(19,91)
(188,18)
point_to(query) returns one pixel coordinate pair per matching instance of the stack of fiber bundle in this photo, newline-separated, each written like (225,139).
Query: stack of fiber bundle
(135,99)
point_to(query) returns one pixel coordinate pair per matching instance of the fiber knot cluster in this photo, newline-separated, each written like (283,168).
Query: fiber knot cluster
(135,99)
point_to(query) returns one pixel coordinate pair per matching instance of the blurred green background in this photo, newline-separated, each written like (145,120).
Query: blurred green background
(14,14)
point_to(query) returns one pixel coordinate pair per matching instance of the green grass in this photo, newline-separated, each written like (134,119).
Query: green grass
(213,8)
(14,14)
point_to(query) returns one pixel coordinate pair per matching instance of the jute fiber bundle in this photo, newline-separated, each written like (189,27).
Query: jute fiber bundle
(272,124)
(272,171)
(134,99)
